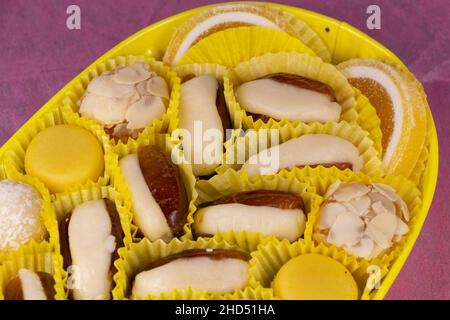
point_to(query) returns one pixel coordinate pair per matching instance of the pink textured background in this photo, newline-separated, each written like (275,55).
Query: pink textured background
(39,55)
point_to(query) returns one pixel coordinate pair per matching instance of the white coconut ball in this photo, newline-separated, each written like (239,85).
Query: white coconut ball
(20,215)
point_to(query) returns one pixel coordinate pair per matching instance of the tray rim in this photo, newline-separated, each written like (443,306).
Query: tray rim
(429,177)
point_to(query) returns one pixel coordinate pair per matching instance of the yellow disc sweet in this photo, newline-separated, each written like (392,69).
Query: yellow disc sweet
(64,156)
(314,277)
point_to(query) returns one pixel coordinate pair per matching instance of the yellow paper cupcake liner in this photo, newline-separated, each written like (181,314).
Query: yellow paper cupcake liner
(64,203)
(199,69)
(322,178)
(239,151)
(139,255)
(367,119)
(270,257)
(249,293)
(419,169)
(14,158)
(231,181)
(247,241)
(232,46)
(47,212)
(37,257)
(237,113)
(71,101)
(163,141)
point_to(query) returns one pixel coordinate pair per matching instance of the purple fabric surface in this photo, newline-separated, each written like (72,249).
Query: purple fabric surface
(39,55)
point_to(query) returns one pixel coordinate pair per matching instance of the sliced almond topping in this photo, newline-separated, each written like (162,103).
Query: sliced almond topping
(157,86)
(144,111)
(386,191)
(378,208)
(142,68)
(360,206)
(87,104)
(362,249)
(131,74)
(350,191)
(404,209)
(141,88)
(329,213)
(377,250)
(135,98)
(348,208)
(402,228)
(369,216)
(105,86)
(381,229)
(107,111)
(112,113)
(332,189)
(320,237)
(375,196)
(347,230)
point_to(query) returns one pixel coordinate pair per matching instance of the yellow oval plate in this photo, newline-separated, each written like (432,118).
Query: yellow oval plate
(343,41)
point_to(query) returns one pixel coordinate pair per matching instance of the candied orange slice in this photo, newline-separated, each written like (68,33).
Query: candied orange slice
(395,94)
(240,14)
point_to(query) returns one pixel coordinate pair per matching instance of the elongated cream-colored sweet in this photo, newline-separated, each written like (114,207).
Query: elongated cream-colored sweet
(91,244)
(147,213)
(281,223)
(285,101)
(213,275)
(32,288)
(199,116)
(309,149)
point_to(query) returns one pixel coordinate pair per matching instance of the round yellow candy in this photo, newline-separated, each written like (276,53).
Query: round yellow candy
(63,156)
(314,277)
